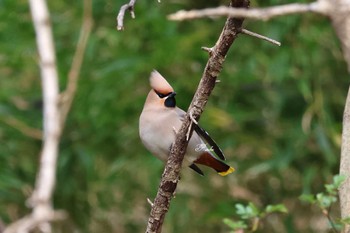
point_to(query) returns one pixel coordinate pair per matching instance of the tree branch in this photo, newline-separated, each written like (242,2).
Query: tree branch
(320,6)
(45,183)
(23,127)
(120,18)
(41,197)
(67,96)
(172,169)
(253,34)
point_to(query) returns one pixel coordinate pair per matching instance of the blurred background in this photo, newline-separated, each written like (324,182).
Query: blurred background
(276,114)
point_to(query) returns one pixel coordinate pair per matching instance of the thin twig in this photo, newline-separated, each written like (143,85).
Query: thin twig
(32,221)
(68,95)
(120,18)
(23,128)
(253,13)
(209,50)
(272,41)
(150,202)
(330,220)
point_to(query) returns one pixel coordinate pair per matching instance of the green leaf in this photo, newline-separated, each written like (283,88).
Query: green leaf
(253,209)
(247,212)
(235,225)
(338,180)
(331,189)
(345,220)
(276,208)
(309,198)
(325,201)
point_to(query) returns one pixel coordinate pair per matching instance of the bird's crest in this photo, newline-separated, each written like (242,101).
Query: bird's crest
(159,84)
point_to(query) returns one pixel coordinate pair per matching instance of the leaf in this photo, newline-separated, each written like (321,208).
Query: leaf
(325,201)
(338,180)
(247,212)
(309,198)
(345,220)
(253,209)
(331,189)
(235,225)
(276,208)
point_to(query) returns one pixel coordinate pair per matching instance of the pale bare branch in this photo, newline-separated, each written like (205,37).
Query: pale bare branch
(253,34)
(40,200)
(46,176)
(120,18)
(54,116)
(253,13)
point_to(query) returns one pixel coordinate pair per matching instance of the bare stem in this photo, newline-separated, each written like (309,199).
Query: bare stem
(73,75)
(253,13)
(253,34)
(120,18)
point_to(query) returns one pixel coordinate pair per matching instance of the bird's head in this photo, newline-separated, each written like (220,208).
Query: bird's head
(162,93)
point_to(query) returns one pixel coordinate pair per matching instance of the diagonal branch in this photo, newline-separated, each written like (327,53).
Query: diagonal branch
(319,6)
(67,96)
(172,169)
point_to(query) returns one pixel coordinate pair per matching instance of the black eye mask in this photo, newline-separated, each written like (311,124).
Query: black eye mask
(170,102)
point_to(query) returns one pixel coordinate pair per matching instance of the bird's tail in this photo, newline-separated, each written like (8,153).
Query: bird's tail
(208,160)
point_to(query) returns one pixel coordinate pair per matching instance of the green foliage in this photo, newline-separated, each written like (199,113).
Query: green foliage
(276,114)
(251,216)
(324,200)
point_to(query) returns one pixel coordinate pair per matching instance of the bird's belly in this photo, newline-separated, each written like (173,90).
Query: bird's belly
(157,144)
(158,138)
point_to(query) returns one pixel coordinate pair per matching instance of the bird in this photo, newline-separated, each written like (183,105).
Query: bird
(159,121)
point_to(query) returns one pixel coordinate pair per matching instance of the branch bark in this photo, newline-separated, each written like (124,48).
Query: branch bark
(172,169)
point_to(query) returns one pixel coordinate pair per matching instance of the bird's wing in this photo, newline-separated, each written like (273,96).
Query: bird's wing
(204,135)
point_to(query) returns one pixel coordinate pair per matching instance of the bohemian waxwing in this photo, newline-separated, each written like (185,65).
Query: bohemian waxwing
(161,119)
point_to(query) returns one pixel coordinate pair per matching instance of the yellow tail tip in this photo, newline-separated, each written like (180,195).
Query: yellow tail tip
(225,173)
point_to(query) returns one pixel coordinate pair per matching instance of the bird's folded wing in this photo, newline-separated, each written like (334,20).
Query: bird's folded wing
(205,136)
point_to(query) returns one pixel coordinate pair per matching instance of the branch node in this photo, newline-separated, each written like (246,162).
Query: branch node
(149,202)
(192,118)
(253,34)
(193,121)
(209,50)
